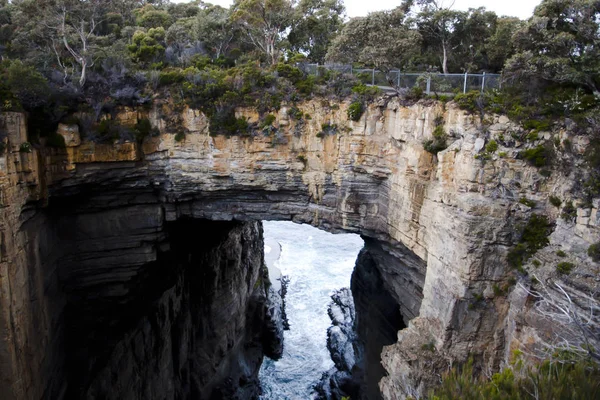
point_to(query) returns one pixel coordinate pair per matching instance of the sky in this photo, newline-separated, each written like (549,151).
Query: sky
(355,8)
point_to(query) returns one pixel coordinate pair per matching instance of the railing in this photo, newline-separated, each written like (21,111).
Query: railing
(428,82)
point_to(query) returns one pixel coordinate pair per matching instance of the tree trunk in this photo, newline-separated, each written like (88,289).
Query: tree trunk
(445,59)
(83,76)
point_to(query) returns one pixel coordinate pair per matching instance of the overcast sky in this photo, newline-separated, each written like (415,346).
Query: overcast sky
(518,8)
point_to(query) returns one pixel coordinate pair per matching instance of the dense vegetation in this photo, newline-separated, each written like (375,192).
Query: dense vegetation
(547,381)
(59,56)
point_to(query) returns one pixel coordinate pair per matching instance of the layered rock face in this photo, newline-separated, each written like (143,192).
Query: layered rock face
(440,226)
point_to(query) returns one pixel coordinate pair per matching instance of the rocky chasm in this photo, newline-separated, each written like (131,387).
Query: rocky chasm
(127,226)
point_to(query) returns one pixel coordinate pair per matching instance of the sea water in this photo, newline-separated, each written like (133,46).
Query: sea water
(316,263)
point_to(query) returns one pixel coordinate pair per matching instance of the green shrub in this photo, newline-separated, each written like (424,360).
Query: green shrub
(555,201)
(180,136)
(143,128)
(533,238)
(502,154)
(25,147)
(268,121)
(469,101)
(327,129)
(491,147)
(561,253)
(536,263)
(295,113)
(564,267)
(537,126)
(171,76)
(532,137)
(569,212)
(547,380)
(438,143)
(527,202)
(355,111)
(537,156)
(594,251)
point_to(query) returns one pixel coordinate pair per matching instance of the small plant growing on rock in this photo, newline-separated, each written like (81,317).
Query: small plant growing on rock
(25,147)
(428,346)
(439,141)
(536,263)
(180,136)
(527,202)
(355,111)
(533,238)
(569,212)
(564,267)
(561,253)
(268,121)
(594,251)
(538,156)
(491,147)
(555,201)
(327,129)
(295,113)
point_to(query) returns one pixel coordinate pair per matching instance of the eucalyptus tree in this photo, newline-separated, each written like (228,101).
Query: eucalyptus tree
(64,28)
(264,24)
(382,39)
(560,44)
(316,23)
(215,29)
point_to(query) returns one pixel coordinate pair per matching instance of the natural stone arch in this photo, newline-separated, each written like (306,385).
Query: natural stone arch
(373,178)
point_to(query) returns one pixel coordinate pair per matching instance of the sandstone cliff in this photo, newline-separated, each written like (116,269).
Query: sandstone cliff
(442,224)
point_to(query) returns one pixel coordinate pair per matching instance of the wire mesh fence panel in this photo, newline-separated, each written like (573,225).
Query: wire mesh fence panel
(474,82)
(343,68)
(408,81)
(449,83)
(309,69)
(381,79)
(492,81)
(364,75)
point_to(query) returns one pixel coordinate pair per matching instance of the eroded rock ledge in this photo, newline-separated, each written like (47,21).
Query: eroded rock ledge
(445,220)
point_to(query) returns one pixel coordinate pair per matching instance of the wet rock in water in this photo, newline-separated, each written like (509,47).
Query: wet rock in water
(341,380)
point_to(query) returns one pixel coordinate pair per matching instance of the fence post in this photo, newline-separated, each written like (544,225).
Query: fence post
(465,85)
(483,82)
(428,90)
(398,79)
(373,77)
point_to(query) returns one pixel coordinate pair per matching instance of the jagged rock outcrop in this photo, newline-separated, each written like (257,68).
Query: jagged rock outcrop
(342,344)
(447,221)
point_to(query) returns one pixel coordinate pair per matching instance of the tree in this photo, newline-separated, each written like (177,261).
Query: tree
(437,24)
(559,45)
(214,28)
(64,28)
(499,46)
(263,23)
(381,39)
(316,22)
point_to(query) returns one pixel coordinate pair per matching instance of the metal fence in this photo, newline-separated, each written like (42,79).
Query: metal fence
(428,82)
